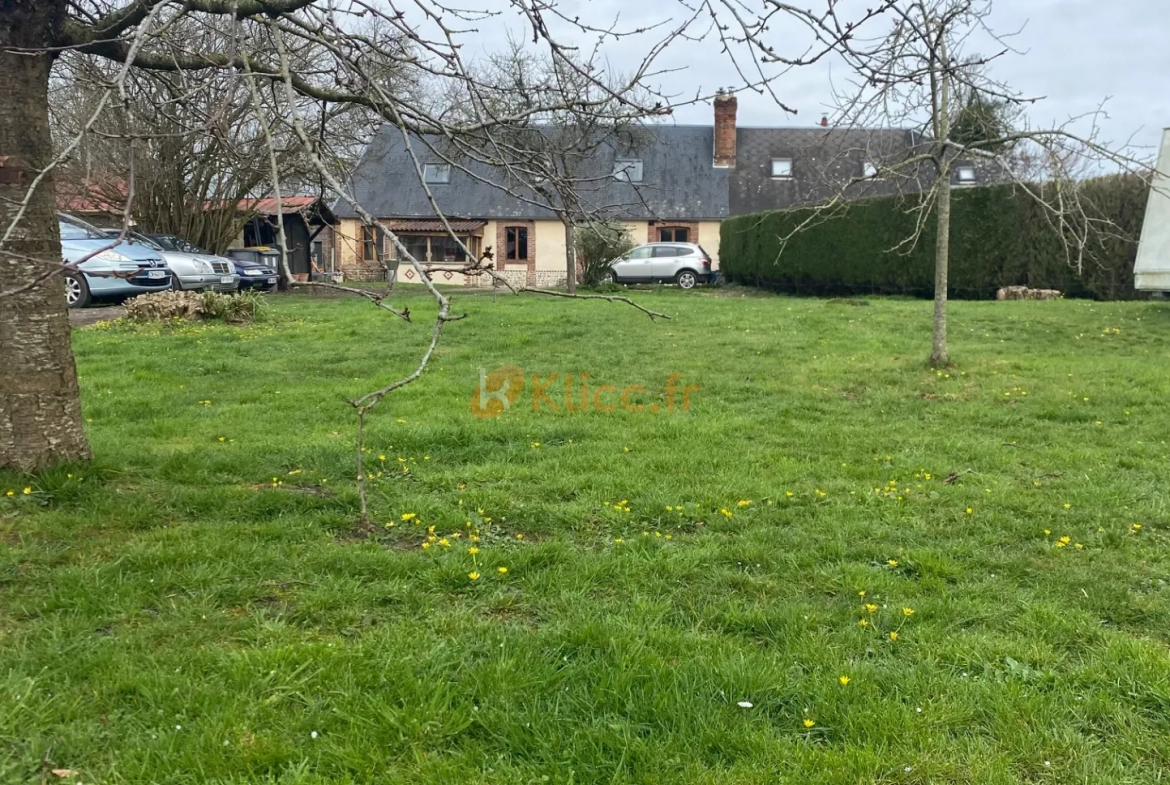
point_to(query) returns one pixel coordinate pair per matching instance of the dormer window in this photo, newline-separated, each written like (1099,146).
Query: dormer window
(628,169)
(782,168)
(965,175)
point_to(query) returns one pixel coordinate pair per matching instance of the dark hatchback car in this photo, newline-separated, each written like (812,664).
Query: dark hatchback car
(256,267)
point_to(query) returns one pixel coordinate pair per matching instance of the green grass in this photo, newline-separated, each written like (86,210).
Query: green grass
(168,615)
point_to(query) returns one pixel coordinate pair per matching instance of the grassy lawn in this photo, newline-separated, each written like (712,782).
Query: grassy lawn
(685,592)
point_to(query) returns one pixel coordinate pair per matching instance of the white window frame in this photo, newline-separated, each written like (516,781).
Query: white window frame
(436,174)
(959,171)
(782,162)
(628,170)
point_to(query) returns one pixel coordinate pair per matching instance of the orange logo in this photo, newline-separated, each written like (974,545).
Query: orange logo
(497,391)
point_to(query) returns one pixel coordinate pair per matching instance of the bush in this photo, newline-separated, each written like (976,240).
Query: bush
(240,308)
(597,245)
(999,237)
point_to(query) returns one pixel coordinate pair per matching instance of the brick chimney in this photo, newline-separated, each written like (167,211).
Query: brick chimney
(725,106)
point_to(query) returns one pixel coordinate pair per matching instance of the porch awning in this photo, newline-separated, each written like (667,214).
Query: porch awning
(458,226)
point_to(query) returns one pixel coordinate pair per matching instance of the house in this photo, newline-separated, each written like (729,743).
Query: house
(676,184)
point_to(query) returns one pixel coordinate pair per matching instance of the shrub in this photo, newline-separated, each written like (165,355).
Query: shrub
(162,306)
(597,245)
(999,237)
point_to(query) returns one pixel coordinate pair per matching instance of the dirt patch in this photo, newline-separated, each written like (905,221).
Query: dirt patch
(84,317)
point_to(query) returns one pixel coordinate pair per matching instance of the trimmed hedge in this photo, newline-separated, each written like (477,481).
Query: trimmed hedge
(999,237)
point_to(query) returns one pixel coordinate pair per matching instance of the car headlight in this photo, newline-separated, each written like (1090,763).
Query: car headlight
(205,268)
(253,272)
(111,256)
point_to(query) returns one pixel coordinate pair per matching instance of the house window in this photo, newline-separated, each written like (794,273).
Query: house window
(966,175)
(318,252)
(372,242)
(674,234)
(445,249)
(869,170)
(436,173)
(516,242)
(416,245)
(782,167)
(628,169)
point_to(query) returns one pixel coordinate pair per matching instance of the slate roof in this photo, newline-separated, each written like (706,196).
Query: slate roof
(678,182)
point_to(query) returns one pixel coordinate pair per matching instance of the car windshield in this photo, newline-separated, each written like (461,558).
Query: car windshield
(169,242)
(72,229)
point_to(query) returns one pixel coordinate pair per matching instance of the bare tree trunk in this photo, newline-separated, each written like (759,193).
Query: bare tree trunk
(942,258)
(570,256)
(40,404)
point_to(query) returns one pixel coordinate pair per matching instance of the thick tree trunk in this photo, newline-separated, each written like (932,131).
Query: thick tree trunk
(942,257)
(40,404)
(570,257)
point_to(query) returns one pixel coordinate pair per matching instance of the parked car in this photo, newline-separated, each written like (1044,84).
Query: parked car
(257,267)
(191,268)
(685,264)
(129,268)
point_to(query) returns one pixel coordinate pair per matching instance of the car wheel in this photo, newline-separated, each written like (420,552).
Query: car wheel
(76,291)
(608,277)
(686,279)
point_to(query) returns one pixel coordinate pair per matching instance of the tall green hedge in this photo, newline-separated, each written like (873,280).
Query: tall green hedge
(1000,236)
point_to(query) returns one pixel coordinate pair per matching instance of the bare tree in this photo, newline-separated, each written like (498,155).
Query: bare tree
(919,73)
(293,55)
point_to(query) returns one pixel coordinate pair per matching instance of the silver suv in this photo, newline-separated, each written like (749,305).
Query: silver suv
(683,263)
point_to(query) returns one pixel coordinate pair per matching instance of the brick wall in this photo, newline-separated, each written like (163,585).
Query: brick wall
(514,270)
(725,108)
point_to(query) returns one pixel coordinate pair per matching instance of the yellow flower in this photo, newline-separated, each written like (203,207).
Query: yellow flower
(1079,547)
(667,537)
(669,508)
(390,525)
(445,543)
(1066,539)
(535,445)
(893,635)
(501,570)
(1061,544)
(381,457)
(726,513)
(625,449)
(221,439)
(408,516)
(1067,506)
(788,494)
(1137,527)
(426,545)
(809,723)
(907,611)
(618,541)
(1047,532)
(892,562)
(969,510)
(27,491)
(869,606)
(862,623)
(519,536)
(401,421)
(473,537)
(843,680)
(861,593)
(473,575)
(743,502)
(10,493)
(473,550)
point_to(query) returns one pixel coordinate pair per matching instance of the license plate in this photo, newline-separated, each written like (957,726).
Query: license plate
(271,280)
(225,279)
(156,273)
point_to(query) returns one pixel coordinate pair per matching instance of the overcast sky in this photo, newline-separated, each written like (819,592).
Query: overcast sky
(1076,53)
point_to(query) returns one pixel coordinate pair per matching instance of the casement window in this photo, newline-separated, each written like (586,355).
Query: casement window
(782,168)
(436,174)
(516,243)
(628,169)
(965,175)
(373,240)
(674,234)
